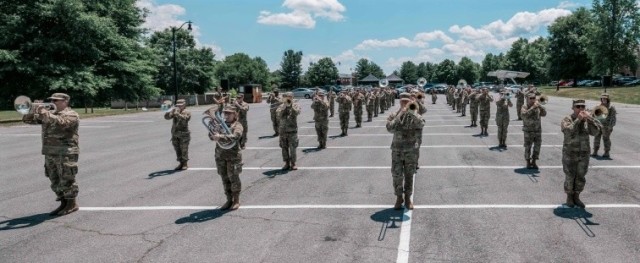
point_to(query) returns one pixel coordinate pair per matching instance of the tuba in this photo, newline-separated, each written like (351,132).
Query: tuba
(24,105)
(421,82)
(166,106)
(383,83)
(218,126)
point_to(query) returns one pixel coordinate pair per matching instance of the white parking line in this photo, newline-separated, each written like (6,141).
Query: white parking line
(115,121)
(426,126)
(20,134)
(426,134)
(260,207)
(405,232)
(421,167)
(388,147)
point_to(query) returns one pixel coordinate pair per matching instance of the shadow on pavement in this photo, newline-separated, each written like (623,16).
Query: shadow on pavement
(24,222)
(497,148)
(390,219)
(267,137)
(274,173)
(579,215)
(311,150)
(162,173)
(201,216)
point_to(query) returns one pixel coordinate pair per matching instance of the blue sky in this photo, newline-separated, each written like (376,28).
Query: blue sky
(384,31)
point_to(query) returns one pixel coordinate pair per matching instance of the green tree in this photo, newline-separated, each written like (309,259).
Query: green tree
(517,56)
(466,70)
(567,49)
(365,67)
(614,36)
(409,72)
(324,72)
(291,69)
(446,72)
(538,56)
(241,69)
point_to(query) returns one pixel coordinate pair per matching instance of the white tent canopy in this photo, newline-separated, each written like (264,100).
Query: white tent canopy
(507,74)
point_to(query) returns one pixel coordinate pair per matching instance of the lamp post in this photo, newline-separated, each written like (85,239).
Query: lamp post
(175,67)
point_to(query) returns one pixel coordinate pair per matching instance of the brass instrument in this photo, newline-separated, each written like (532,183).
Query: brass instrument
(218,126)
(543,99)
(600,113)
(383,83)
(420,96)
(24,106)
(421,82)
(166,106)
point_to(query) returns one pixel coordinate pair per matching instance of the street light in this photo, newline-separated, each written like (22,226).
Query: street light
(175,67)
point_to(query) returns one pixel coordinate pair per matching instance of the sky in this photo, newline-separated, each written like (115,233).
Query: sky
(387,32)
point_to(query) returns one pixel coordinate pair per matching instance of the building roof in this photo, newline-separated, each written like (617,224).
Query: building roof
(344,76)
(370,78)
(394,78)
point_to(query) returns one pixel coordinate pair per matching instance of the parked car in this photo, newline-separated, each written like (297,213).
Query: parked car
(440,88)
(633,83)
(319,90)
(594,83)
(302,93)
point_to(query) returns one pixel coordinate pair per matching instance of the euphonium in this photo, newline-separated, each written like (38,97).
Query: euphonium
(600,113)
(24,105)
(218,126)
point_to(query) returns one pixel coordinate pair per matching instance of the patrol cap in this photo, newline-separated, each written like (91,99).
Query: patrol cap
(578,102)
(240,95)
(604,96)
(229,108)
(288,94)
(404,95)
(531,95)
(180,102)
(59,96)
(276,90)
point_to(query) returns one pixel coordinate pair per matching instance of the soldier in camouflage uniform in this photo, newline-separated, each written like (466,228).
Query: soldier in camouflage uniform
(484,105)
(607,127)
(434,96)
(392,97)
(344,107)
(531,113)
(575,150)
(459,100)
(358,101)
(229,161)
(60,150)
(320,115)
(243,109)
(382,100)
(473,108)
(502,118)
(180,134)
(370,104)
(403,124)
(519,102)
(376,102)
(332,101)
(275,100)
(288,120)
(465,101)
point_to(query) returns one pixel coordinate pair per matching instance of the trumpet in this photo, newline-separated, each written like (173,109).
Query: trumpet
(218,126)
(543,99)
(166,106)
(24,105)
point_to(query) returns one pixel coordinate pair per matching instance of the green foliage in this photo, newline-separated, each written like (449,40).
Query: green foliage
(241,69)
(490,63)
(568,45)
(467,70)
(409,72)
(364,67)
(446,72)
(290,69)
(614,36)
(324,72)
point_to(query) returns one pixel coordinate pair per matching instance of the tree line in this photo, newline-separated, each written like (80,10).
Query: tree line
(97,51)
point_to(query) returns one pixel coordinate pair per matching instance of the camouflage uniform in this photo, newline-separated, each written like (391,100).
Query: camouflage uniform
(180,134)
(575,153)
(320,116)
(332,102)
(382,101)
(484,105)
(473,108)
(370,104)
(403,154)
(465,101)
(243,109)
(434,97)
(459,101)
(344,107)
(376,103)
(392,97)
(229,161)
(288,121)
(519,103)
(502,120)
(607,129)
(275,100)
(60,149)
(358,101)
(532,128)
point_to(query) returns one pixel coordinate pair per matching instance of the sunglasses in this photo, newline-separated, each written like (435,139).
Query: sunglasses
(532,98)
(580,106)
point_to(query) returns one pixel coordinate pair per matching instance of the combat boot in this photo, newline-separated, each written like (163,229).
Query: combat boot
(228,204)
(70,206)
(399,202)
(533,164)
(570,201)
(185,166)
(576,200)
(293,166)
(408,204)
(286,166)
(236,201)
(528,164)
(179,167)
(63,204)
(606,154)
(595,153)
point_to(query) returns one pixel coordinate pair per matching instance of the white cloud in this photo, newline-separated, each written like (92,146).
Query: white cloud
(391,43)
(468,32)
(434,35)
(345,59)
(303,13)
(567,5)
(461,49)
(161,16)
(525,22)
(217,50)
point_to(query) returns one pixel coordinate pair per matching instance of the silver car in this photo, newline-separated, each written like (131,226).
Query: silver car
(302,93)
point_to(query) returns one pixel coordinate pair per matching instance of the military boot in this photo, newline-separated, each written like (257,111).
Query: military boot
(70,206)
(576,200)
(570,201)
(533,164)
(63,204)
(185,166)
(606,154)
(179,167)
(408,204)
(528,164)
(286,166)
(227,205)
(398,204)
(236,201)
(293,166)
(595,153)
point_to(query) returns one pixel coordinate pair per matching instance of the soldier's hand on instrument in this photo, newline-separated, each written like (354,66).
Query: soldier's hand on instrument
(40,109)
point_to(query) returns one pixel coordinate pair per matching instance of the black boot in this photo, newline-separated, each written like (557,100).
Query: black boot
(576,200)
(63,203)
(70,207)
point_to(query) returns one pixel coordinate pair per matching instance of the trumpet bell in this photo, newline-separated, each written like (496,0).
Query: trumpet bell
(544,99)
(600,113)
